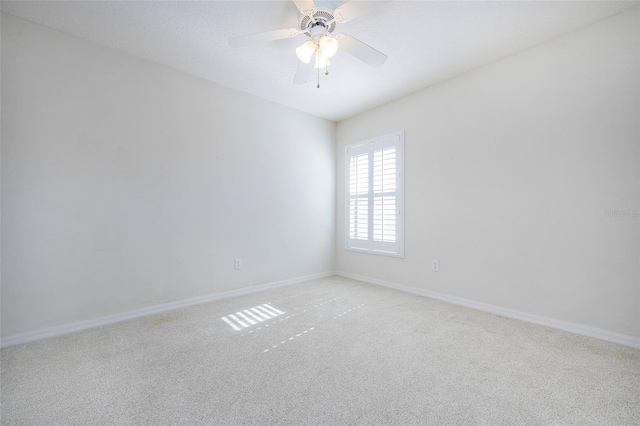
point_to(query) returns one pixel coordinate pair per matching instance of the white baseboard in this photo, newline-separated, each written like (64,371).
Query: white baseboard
(31,336)
(583,330)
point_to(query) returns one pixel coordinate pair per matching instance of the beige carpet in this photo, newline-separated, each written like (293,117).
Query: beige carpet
(331,352)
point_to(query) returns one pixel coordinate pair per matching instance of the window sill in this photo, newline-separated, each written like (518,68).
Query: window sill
(376,252)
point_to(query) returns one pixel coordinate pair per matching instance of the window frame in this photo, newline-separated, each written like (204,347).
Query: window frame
(369,146)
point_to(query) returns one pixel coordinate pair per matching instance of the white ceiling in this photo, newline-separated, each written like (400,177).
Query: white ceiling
(426,41)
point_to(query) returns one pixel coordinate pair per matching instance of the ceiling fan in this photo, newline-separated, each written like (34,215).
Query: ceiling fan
(318,25)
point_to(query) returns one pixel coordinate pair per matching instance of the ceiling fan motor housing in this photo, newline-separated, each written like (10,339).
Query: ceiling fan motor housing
(320,19)
(317,31)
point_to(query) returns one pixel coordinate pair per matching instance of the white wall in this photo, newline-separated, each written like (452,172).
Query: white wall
(126,184)
(509,171)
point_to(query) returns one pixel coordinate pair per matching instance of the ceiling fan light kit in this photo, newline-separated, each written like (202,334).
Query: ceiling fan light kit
(318,26)
(323,49)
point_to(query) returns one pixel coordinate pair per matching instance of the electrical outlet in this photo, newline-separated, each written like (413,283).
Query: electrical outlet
(435,265)
(238,264)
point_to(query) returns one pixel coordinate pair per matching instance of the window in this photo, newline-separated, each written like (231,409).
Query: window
(374,192)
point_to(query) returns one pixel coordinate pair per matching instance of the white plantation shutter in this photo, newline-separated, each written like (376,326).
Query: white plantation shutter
(359,197)
(375,196)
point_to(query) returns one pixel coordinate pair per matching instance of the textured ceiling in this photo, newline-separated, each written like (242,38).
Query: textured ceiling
(426,41)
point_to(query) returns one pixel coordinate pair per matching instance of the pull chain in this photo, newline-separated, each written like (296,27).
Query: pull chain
(326,67)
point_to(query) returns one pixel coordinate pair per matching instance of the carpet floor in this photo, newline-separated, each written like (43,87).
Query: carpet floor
(332,351)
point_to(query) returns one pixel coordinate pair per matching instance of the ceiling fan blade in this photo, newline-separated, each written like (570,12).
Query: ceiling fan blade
(360,50)
(306,7)
(303,72)
(355,8)
(250,39)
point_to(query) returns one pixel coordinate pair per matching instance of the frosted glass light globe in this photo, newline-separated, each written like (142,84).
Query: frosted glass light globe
(321,60)
(328,46)
(305,51)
